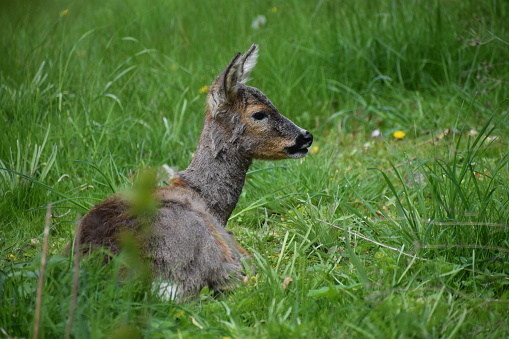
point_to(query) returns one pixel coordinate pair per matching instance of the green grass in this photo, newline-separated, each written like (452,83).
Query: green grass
(382,238)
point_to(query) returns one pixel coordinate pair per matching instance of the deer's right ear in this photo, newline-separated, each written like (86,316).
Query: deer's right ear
(225,86)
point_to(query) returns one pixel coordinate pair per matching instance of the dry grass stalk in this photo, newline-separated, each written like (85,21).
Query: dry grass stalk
(372,241)
(40,284)
(75,282)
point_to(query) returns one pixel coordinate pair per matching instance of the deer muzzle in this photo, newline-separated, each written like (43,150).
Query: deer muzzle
(302,143)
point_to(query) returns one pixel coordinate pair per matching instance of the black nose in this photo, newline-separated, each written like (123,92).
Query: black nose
(305,139)
(308,137)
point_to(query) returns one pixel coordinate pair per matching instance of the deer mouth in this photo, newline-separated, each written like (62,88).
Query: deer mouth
(298,151)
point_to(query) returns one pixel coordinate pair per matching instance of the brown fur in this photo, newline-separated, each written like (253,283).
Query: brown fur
(185,237)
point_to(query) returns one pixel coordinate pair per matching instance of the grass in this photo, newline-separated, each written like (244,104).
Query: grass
(368,236)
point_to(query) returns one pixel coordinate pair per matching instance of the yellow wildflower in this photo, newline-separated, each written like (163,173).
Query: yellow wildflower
(399,134)
(274,10)
(64,12)
(204,89)
(11,256)
(314,149)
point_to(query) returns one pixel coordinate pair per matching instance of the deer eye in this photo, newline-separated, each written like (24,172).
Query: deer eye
(259,115)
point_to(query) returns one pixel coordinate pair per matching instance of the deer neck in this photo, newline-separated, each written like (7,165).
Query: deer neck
(217,172)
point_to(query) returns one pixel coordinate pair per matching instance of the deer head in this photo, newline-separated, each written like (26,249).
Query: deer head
(242,117)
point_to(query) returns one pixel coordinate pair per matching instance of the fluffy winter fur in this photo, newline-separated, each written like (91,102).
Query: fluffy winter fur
(187,244)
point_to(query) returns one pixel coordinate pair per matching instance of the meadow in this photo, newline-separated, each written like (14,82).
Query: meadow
(396,225)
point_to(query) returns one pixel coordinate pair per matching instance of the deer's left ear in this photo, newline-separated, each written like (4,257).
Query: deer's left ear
(226,85)
(248,63)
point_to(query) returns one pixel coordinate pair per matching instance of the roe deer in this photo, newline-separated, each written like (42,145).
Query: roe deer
(187,245)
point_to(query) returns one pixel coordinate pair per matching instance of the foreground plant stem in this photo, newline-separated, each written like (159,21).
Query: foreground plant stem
(40,284)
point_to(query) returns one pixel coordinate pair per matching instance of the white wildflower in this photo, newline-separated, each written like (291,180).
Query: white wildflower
(259,21)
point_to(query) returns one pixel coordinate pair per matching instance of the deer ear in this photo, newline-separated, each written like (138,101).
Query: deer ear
(226,85)
(248,63)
